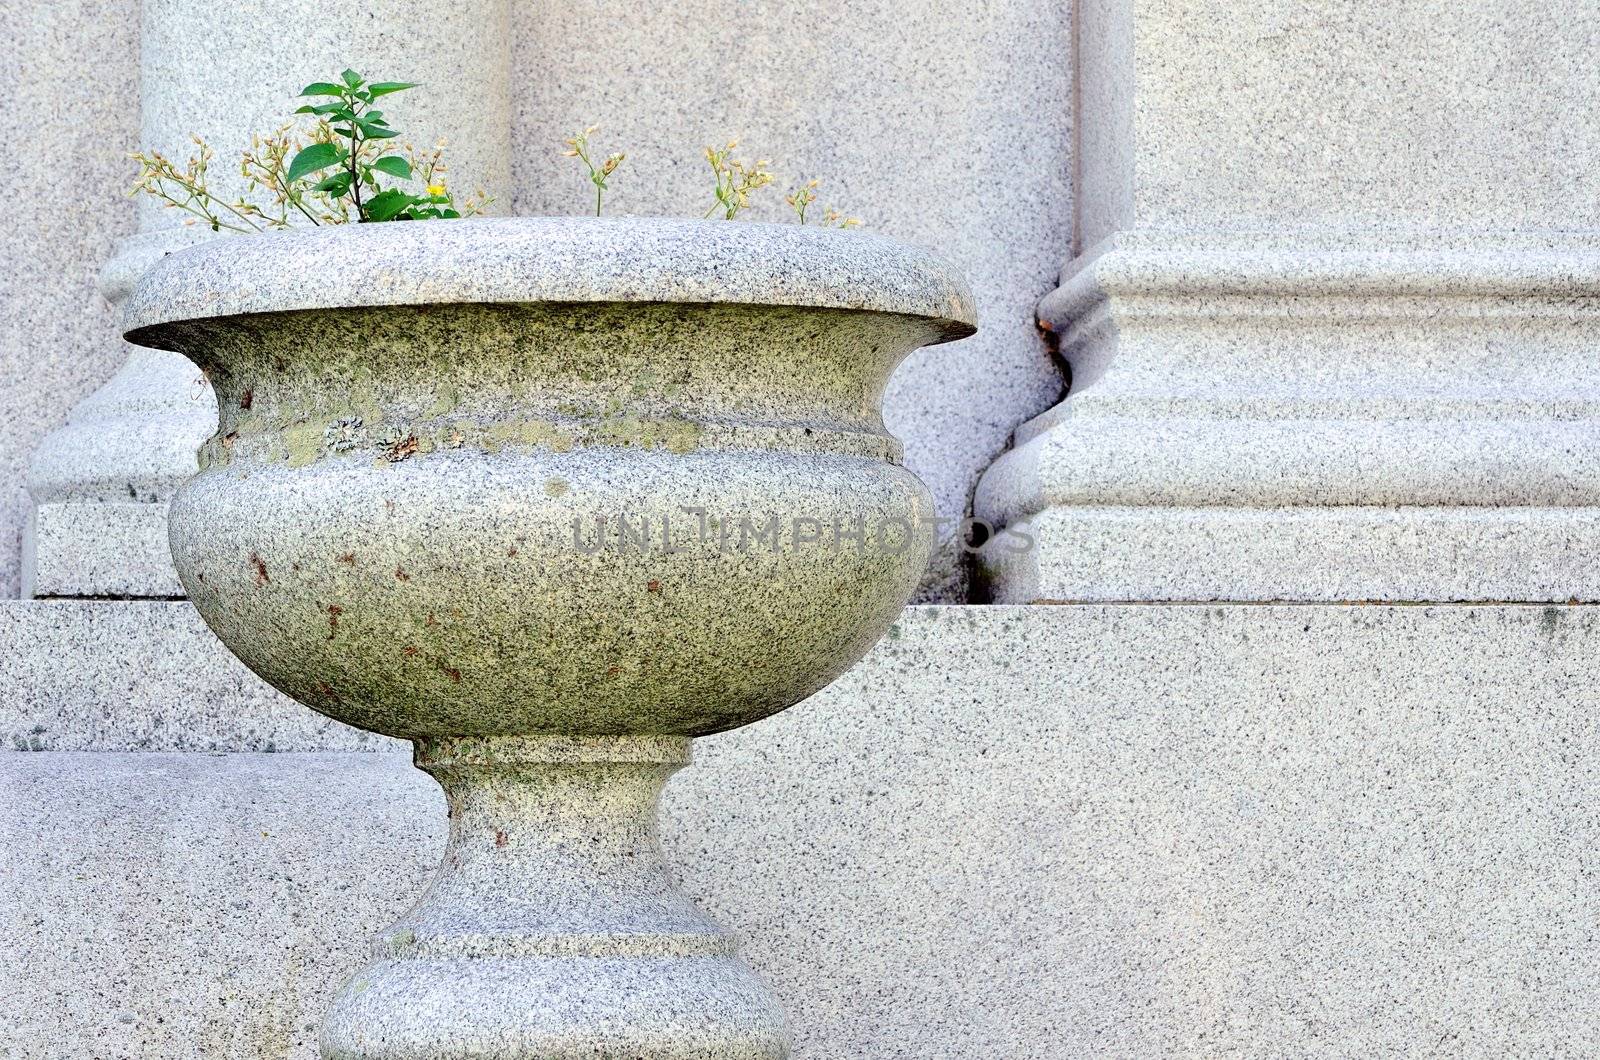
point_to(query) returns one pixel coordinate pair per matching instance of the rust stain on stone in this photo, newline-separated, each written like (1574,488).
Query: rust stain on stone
(401,450)
(247,398)
(334,611)
(401,575)
(261,569)
(347,558)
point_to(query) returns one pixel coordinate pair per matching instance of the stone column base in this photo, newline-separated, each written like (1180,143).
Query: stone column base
(98,549)
(1312,416)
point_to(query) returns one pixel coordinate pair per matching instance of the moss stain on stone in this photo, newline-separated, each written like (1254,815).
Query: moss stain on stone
(303,443)
(445,404)
(533,433)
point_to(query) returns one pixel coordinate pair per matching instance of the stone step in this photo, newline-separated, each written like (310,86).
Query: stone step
(1010,832)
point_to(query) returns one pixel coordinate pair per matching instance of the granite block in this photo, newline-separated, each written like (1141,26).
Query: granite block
(98,549)
(1010,832)
(142,675)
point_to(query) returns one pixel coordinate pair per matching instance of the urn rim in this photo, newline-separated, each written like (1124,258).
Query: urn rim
(527,260)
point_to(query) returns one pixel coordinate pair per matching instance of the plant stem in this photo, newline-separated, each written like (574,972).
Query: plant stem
(298,205)
(205,215)
(355,148)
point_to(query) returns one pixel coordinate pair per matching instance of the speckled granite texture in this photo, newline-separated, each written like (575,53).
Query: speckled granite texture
(389,527)
(556,928)
(553,259)
(1313,417)
(68,682)
(1324,266)
(1453,115)
(947,127)
(401,518)
(100,482)
(1009,833)
(71,75)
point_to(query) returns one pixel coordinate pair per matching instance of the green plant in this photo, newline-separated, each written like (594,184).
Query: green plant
(349,136)
(735,179)
(801,199)
(578,147)
(362,153)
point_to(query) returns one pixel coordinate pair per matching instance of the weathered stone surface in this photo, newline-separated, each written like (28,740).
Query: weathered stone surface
(488,261)
(1009,832)
(556,927)
(954,132)
(516,384)
(386,527)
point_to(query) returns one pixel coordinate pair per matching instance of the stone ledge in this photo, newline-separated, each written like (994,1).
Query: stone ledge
(1262,555)
(1011,832)
(142,675)
(98,549)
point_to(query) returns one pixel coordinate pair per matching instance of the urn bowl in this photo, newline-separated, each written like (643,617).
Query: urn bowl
(550,476)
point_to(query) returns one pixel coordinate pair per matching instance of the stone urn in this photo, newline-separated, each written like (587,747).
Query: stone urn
(550,497)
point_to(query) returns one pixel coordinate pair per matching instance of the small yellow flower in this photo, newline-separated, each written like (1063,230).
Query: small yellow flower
(435,189)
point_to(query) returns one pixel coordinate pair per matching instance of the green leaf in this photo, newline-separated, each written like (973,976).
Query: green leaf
(376,133)
(452,214)
(383,88)
(388,205)
(313,158)
(393,165)
(321,88)
(353,79)
(335,185)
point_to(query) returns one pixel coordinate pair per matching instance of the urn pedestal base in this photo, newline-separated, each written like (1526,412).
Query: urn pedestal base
(554,928)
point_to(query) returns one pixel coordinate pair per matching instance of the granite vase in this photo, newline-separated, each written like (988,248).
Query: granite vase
(549,498)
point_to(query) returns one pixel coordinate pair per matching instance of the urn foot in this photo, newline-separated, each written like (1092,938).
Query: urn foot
(554,929)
